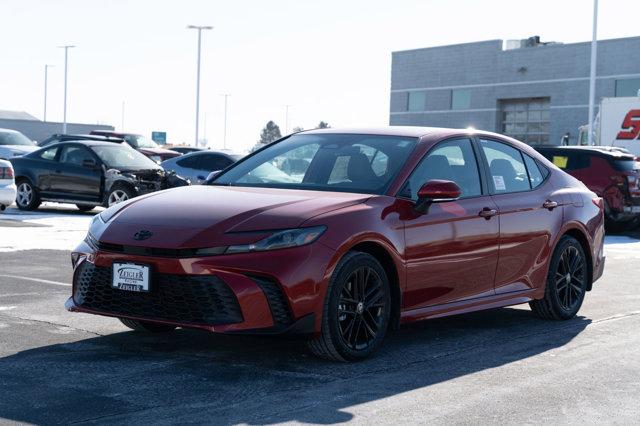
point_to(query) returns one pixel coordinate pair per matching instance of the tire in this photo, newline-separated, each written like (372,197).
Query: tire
(347,309)
(85,207)
(145,326)
(118,194)
(27,197)
(567,282)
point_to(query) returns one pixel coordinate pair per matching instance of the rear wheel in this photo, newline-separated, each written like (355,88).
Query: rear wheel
(567,282)
(27,197)
(146,326)
(356,310)
(85,207)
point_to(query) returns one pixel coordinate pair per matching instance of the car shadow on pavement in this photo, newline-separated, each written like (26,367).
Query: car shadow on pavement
(192,376)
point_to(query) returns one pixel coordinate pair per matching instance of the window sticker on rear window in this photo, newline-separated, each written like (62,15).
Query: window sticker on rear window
(560,161)
(498,183)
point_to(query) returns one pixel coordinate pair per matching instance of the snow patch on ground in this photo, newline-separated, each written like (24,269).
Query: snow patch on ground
(49,229)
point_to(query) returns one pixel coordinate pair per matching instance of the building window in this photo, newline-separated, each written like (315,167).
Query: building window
(526,119)
(460,99)
(416,101)
(627,87)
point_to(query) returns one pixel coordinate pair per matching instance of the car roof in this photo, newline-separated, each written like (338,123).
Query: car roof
(8,130)
(407,131)
(87,142)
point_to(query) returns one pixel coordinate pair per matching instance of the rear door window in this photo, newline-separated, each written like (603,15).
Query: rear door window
(214,162)
(506,167)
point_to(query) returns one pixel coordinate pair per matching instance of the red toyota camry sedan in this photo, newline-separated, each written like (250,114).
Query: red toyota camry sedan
(372,229)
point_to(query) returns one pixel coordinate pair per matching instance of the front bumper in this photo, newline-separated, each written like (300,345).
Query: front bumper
(7,194)
(263,293)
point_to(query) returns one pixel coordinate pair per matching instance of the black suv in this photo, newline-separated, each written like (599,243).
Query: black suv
(88,174)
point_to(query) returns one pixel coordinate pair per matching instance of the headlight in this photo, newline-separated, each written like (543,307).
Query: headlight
(156,158)
(281,239)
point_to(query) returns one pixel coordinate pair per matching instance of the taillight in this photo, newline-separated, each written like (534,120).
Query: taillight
(634,181)
(599,202)
(6,173)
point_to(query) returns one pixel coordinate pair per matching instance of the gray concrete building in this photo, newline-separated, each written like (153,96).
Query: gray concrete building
(533,91)
(38,130)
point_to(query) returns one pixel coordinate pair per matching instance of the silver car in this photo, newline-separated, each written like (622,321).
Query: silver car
(14,144)
(7,185)
(196,166)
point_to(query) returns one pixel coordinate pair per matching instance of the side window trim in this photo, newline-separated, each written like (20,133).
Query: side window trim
(472,141)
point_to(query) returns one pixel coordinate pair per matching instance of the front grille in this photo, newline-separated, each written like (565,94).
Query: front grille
(192,299)
(277,301)
(155,252)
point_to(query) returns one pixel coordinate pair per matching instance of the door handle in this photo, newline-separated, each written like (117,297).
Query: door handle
(58,171)
(488,212)
(549,205)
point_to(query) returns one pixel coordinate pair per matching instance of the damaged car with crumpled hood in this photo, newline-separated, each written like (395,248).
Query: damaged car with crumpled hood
(87,174)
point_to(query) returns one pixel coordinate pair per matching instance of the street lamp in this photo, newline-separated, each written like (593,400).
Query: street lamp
(286,119)
(592,74)
(46,71)
(224,137)
(199,28)
(64,114)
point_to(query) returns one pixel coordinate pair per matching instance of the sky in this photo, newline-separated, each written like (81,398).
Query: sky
(329,60)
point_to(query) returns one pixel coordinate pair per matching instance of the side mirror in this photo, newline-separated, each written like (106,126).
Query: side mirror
(89,163)
(436,191)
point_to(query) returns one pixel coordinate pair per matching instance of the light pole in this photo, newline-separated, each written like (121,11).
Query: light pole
(64,113)
(199,28)
(286,119)
(592,74)
(46,72)
(224,135)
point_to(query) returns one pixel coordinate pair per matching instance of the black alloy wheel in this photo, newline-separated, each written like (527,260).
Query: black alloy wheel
(567,282)
(361,307)
(357,310)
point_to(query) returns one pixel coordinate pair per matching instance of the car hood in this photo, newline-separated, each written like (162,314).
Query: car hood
(20,149)
(208,216)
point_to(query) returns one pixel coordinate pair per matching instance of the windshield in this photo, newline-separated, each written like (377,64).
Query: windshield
(324,162)
(10,138)
(138,141)
(123,158)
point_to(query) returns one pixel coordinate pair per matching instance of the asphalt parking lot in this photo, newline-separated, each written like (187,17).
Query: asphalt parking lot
(500,366)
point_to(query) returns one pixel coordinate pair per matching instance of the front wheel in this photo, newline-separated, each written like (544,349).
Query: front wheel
(356,311)
(150,327)
(567,282)
(119,194)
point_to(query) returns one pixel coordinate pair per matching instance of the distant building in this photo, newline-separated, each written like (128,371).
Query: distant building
(536,92)
(39,130)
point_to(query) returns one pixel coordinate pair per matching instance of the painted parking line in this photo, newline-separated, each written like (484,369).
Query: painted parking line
(36,280)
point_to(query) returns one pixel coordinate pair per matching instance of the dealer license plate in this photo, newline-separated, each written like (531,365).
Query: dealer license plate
(130,277)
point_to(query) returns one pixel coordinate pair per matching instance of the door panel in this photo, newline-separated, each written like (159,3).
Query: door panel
(530,215)
(451,252)
(71,180)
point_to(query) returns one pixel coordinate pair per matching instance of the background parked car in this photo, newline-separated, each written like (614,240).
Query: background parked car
(185,149)
(613,175)
(197,165)
(63,138)
(87,174)
(7,185)
(142,144)
(14,143)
